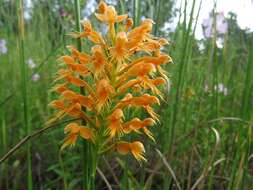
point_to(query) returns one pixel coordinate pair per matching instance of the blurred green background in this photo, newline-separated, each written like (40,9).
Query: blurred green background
(205,133)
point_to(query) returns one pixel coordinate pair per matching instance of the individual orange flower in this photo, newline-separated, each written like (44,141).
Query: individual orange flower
(119,52)
(129,23)
(109,16)
(103,91)
(102,7)
(136,124)
(78,98)
(89,32)
(82,57)
(145,101)
(115,122)
(74,131)
(136,148)
(138,35)
(98,60)
(60,88)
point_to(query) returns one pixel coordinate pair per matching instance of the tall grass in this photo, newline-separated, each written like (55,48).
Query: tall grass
(4,167)
(24,89)
(181,70)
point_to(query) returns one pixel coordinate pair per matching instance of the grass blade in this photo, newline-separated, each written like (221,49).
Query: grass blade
(24,89)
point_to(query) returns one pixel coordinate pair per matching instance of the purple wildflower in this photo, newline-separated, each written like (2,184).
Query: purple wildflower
(31,63)
(221,89)
(221,25)
(35,77)
(207,27)
(3,48)
(62,12)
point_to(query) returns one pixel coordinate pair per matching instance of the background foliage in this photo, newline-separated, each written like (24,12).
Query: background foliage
(205,134)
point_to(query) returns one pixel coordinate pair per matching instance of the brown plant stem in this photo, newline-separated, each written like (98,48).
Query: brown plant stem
(28,137)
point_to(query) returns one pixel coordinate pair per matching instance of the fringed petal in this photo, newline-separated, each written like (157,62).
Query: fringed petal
(103,91)
(138,150)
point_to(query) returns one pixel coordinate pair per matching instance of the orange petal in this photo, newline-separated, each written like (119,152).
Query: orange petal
(98,59)
(102,7)
(120,18)
(71,128)
(163,41)
(128,85)
(104,90)
(115,120)
(81,83)
(151,112)
(148,122)
(67,59)
(86,133)
(101,17)
(138,150)
(86,101)
(69,94)
(159,81)
(60,88)
(122,147)
(116,115)
(140,69)
(58,104)
(63,73)
(148,133)
(70,140)
(115,128)
(129,23)
(75,53)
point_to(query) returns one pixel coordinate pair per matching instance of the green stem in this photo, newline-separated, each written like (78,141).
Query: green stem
(78,24)
(157,20)
(4,143)
(87,158)
(248,82)
(65,183)
(136,12)
(24,89)
(94,167)
(214,62)
(122,7)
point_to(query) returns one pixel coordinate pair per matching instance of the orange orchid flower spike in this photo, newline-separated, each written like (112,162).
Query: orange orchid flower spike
(120,73)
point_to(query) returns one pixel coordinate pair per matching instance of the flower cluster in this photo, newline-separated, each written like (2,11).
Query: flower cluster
(122,72)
